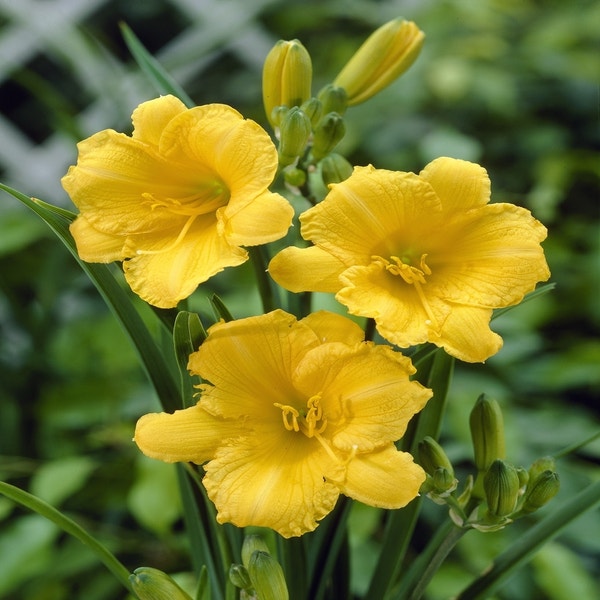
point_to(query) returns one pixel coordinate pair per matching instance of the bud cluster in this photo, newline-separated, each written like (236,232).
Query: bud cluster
(309,127)
(500,492)
(260,576)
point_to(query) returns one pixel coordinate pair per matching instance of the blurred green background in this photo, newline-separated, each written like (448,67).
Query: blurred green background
(511,84)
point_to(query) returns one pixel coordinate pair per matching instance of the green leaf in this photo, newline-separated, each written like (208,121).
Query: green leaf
(161,80)
(55,481)
(540,291)
(221,311)
(153,498)
(120,303)
(68,525)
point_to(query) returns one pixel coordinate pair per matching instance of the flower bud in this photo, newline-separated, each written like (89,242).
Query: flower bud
(501,485)
(432,457)
(287,76)
(267,577)
(333,99)
(239,576)
(313,109)
(294,177)
(383,57)
(335,169)
(251,544)
(328,133)
(487,432)
(152,584)
(547,463)
(542,489)
(295,130)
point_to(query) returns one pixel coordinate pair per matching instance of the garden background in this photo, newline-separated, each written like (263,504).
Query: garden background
(510,84)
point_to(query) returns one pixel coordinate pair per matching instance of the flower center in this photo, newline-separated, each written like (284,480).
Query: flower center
(206,199)
(413,275)
(309,421)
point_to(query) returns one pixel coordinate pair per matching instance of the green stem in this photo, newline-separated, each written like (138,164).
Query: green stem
(426,566)
(69,526)
(523,549)
(263,281)
(435,371)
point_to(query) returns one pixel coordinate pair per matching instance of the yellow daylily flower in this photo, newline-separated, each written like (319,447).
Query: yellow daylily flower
(425,255)
(296,413)
(177,199)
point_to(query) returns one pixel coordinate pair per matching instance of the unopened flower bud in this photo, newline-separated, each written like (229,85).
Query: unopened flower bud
(444,480)
(251,544)
(501,485)
(287,76)
(313,109)
(333,98)
(542,490)
(432,457)
(328,133)
(295,129)
(152,584)
(267,577)
(487,432)
(239,576)
(384,56)
(294,177)
(335,169)
(539,466)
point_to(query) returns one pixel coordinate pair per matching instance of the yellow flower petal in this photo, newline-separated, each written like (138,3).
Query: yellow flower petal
(466,334)
(249,362)
(331,327)
(94,245)
(265,219)
(163,273)
(306,269)
(189,435)
(495,260)
(459,184)
(369,213)
(114,173)
(239,151)
(272,479)
(365,393)
(150,118)
(399,312)
(387,479)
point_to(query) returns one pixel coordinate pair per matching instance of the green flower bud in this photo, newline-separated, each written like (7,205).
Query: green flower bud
(152,584)
(487,432)
(277,115)
(444,481)
(294,177)
(287,76)
(239,576)
(295,129)
(335,169)
(251,544)
(501,485)
(313,109)
(547,463)
(523,477)
(267,577)
(328,133)
(384,56)
(432,456)
(333,98)
(543,488)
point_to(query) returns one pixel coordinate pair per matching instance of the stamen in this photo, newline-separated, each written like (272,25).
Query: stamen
(414,276)
(290,416)
(174,243)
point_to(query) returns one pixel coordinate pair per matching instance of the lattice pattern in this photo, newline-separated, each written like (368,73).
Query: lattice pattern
(64,72)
